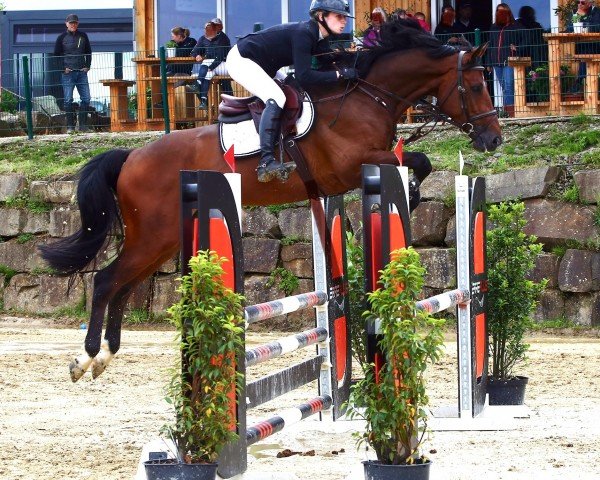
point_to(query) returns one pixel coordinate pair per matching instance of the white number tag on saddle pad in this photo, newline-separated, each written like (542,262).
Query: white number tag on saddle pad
(245,137)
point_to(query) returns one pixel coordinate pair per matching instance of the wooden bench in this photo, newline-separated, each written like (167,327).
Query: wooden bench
(119,103)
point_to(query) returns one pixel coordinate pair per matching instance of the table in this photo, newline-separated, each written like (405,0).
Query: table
(556,45)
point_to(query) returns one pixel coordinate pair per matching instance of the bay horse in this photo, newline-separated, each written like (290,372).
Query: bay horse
(355,124)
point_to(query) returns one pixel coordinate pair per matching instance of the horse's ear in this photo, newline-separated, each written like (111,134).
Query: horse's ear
(479,52)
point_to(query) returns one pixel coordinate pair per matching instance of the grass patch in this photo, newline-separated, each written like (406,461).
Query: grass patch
(7,272)
(78,311)
(292,239)
(540,144)
(50,159)
(571,194)
(25,237)
(554,323)
(26,202)
(284,279)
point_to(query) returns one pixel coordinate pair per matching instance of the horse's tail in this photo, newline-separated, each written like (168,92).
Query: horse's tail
(98,210)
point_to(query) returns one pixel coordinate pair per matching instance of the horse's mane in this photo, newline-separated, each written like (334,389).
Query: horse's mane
(397,35)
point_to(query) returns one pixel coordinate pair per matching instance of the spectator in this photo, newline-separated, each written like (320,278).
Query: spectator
(76,52)
(185,44)
(464,23)
(212,49)
(504,36)
(532,41)
(446,25)
(420,17)
(226,45)
(371,36)
(398,14)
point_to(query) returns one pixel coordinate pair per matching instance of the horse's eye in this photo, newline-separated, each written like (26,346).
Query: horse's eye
(477,88)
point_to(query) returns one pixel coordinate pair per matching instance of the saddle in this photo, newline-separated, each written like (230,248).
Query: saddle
(238,109)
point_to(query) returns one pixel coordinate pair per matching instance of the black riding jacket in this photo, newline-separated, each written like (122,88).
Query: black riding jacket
(75,49)
(288,44)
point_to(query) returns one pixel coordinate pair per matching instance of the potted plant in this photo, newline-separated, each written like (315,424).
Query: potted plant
(210,322)
(170,48)
(577,20)
(392,399)
(512,298)
(565,11)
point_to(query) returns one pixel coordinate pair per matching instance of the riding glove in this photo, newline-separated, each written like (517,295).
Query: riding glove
(348,73)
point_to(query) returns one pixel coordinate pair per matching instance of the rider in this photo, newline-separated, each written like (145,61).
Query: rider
(254,62)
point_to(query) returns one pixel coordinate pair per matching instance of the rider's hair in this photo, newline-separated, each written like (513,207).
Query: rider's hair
(314,14)
(184,32)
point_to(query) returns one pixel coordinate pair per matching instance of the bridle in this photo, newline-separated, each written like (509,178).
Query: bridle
(433,110)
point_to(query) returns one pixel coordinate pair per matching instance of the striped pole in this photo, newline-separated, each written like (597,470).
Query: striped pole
(434,304)
(285,345)
(264,311)
(445,300)
(288,417)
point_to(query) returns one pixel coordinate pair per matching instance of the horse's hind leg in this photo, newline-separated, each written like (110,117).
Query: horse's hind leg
(136,264)
(103,289)
(116,308)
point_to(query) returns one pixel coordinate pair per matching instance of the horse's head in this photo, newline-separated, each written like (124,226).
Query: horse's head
(463,96)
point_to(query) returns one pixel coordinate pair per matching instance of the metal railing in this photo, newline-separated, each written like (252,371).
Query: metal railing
(549,77)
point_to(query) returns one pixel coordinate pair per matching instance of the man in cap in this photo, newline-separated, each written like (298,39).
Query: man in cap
(73,46)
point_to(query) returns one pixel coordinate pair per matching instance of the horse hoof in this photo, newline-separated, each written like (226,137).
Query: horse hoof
(75,370)
(98,368)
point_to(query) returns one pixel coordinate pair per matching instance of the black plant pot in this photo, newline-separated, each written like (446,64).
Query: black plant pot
(375,470)
(507,392)
(172,470)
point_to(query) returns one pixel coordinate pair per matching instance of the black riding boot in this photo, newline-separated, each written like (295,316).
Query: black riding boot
(268,130)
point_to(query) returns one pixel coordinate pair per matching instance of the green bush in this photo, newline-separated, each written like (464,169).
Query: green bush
(411,339)
(511,298)
(210,322)
(8,102)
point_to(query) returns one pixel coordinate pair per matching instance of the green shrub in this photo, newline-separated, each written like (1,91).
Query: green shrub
(511,298)
(210,322)
(394,407)
(8,102)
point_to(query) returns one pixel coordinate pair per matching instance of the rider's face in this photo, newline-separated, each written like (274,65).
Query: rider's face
(336,22)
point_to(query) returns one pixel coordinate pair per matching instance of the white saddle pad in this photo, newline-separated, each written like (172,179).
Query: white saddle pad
(244,137)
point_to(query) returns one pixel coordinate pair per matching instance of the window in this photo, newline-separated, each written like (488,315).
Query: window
(97,32)
(298,10)
(192,14)
(241,15)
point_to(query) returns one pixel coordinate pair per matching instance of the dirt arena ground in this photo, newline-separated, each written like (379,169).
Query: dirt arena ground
(51,428)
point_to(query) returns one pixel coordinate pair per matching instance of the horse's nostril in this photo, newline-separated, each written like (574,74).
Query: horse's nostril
(497,141)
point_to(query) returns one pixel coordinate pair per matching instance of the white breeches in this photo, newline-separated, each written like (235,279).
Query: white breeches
(252,77)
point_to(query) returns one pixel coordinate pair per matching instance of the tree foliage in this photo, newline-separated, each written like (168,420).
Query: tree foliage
(512,298)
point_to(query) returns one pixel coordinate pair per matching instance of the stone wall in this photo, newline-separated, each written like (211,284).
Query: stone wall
(283,240)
